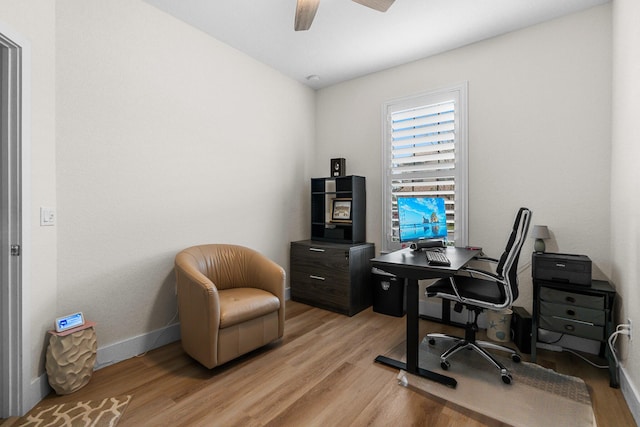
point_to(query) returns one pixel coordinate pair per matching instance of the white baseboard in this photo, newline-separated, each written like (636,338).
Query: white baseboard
(37,390)
(630,393)
(132,347)
(39,387)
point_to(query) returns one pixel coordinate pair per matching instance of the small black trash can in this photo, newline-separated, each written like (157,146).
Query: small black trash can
(388,293)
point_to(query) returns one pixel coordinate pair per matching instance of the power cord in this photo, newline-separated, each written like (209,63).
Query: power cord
(624,329)
(568,350)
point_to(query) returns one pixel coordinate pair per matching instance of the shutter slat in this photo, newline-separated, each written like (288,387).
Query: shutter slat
(424,159)
(422,149)
(426,139)
(425,121)
(427,130)
(423,168)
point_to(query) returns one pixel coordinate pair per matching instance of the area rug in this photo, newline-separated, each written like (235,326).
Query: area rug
(536,397)
(88,413)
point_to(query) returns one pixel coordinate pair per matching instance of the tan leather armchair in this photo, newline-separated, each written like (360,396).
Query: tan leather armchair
(230,301)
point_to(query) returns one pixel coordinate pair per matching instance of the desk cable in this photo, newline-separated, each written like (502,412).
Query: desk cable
(624,329)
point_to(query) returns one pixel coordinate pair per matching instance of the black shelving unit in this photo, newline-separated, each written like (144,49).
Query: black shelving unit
(323,191)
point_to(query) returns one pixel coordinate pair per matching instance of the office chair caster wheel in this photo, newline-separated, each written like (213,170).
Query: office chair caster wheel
(445,365)
(506,377)
(516,358)
(432,341)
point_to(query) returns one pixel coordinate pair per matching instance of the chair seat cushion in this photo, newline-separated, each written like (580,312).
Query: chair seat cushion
(469,287)
(239,305)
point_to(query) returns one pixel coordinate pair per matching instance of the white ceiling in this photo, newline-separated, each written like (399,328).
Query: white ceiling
(348,40)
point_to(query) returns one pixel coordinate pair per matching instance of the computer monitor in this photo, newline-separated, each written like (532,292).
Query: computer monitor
(421,218)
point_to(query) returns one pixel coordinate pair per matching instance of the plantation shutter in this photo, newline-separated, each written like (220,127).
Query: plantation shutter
(423,158)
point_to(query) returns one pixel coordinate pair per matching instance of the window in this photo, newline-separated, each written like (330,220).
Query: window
(425,154)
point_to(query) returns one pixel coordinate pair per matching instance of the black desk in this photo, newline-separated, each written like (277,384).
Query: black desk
(413,266)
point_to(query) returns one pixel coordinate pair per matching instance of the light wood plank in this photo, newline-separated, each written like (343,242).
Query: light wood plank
(321,373)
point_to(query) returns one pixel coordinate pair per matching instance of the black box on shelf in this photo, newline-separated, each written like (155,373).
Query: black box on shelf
(565,268)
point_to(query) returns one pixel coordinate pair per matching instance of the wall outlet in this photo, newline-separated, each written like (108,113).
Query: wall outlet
(630,329)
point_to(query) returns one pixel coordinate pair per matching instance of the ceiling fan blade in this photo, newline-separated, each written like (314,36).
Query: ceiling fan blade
(305,12)
(381,5)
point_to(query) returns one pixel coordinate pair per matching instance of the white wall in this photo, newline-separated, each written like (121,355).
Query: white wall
(625,198)
(148,136)
(166,138)
(34,21)
(539,133)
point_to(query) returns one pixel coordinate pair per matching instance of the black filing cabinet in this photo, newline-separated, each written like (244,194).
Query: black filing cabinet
(333,276)
(581,310)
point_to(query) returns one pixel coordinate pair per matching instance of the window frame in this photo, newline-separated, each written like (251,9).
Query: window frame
(458,93)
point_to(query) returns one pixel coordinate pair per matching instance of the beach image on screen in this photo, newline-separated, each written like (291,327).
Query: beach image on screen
(421,218)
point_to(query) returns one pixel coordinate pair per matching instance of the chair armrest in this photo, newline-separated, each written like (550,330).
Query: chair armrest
(485,274)
(486,258)
(269,276)
(199,310)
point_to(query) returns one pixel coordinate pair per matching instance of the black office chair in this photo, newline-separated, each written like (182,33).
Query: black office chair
(492,291)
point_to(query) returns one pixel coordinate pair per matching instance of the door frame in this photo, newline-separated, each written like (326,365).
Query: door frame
(15,190)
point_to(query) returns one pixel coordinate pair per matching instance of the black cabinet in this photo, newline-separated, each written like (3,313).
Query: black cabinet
(333,276)
(579,310)
(349,192)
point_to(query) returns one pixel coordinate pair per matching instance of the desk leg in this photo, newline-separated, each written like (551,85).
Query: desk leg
(413,347)
(412,326)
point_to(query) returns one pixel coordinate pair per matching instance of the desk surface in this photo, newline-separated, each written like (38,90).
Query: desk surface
(413,264)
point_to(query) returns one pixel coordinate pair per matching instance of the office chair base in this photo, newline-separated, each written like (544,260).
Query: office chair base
(478,347)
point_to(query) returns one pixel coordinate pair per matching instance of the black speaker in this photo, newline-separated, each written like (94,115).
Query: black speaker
(521,329)
(338,167)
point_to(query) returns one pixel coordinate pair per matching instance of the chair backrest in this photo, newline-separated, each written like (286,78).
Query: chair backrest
(508,264)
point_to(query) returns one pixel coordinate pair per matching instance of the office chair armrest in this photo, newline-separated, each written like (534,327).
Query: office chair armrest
(486,258)
(485,274)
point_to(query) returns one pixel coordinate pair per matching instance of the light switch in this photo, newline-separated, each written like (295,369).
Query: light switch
(47,216)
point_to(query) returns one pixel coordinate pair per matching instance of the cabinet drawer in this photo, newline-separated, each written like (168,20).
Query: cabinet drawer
(318,289)
(571,312)
(572,298)
(321,261)
(572,327)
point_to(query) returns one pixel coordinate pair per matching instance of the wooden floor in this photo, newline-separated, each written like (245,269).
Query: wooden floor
(320,374)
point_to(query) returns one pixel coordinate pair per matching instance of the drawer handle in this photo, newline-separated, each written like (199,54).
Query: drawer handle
(570,328)
(571,312)
(316,250)
(570,299)
(316,277)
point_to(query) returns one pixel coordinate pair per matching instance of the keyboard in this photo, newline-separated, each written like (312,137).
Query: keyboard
(437,258)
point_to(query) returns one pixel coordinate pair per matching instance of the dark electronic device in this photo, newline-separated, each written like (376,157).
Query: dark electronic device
(521,329)
(424,244)
(338,167)
(564,268)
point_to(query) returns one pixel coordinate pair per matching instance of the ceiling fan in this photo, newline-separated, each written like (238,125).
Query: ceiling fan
(306,10)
